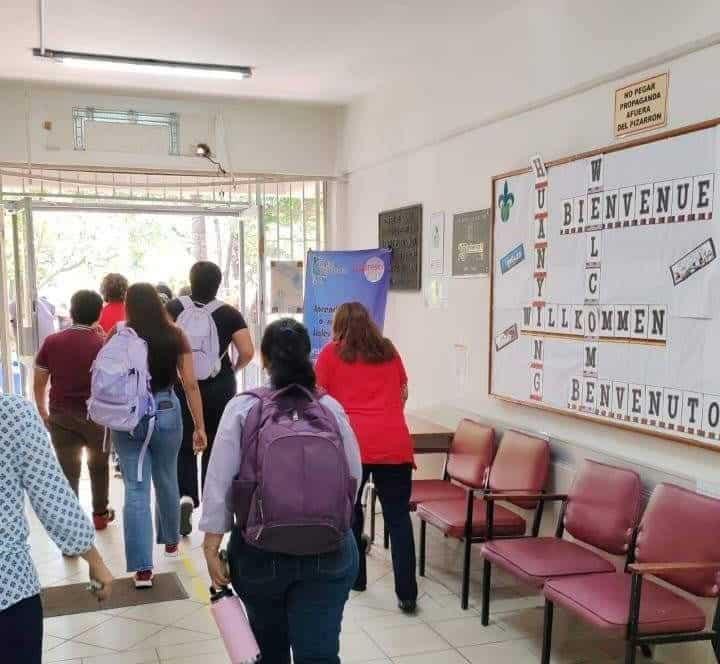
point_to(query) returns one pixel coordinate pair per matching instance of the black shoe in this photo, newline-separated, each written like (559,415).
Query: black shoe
(365,544)
(408,606)
(360,587)
(186,510)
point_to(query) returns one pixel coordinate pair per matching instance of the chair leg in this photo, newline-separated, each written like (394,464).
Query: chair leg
(421,558)
(646,650)
(373,501)
(386,538)
(716,629)
(466,575)
(547,632)
(487,570)
(630,652)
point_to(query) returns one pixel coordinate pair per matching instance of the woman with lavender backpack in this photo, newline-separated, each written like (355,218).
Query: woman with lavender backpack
(294,602)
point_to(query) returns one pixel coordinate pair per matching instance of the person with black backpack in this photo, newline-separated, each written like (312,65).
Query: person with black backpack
(283,476)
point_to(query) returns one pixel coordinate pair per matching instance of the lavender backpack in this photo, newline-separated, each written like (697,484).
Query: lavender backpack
(294,493)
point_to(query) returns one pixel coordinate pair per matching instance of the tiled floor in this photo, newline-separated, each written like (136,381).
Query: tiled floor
(374,630)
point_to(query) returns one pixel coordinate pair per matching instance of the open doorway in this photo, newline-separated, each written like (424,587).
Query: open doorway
(150,228)
(73,248)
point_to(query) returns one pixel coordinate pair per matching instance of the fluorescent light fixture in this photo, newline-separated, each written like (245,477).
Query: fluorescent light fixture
(144,65)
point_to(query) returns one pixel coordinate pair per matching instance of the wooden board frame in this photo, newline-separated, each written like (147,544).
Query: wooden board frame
(596,419)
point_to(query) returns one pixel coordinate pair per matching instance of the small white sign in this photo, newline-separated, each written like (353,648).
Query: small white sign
(437,244)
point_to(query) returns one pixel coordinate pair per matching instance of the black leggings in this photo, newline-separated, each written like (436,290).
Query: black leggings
(393,484)
(21,632)
(214,399)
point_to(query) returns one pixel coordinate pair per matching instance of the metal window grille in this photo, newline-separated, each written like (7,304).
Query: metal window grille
(83,115)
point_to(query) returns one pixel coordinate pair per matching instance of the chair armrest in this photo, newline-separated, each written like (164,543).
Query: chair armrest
(508,495)
(660,568)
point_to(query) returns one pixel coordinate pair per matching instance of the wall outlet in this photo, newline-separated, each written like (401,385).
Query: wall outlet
(707,488)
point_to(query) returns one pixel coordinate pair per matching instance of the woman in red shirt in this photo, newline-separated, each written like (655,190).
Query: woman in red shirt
(363,371)
(113,289)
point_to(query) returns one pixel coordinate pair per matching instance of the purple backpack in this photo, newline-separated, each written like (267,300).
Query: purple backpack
(294,493)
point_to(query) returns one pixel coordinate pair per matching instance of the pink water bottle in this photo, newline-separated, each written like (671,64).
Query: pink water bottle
(232,621)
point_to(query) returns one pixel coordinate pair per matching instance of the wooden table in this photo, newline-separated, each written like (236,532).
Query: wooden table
(428,437)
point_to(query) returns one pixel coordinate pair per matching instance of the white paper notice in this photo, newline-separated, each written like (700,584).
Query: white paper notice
(437,244)
(436,293)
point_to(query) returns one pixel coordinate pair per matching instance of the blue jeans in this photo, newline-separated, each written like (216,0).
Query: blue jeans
(159,467)
(294,601)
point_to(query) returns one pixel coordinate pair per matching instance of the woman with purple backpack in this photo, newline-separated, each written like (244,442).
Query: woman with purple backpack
(283,477)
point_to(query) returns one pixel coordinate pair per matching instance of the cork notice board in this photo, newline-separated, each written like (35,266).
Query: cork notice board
(401,231)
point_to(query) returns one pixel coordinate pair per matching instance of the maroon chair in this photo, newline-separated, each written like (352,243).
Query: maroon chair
(521,464)
(678,541)
(602,509)
(470,456)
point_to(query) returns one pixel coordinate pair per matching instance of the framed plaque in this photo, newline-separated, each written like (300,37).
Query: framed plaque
(471,244)
(401,231)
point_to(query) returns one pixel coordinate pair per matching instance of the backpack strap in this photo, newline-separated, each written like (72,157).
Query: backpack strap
(186,302)
(251,427)
(213,306)
(308,393)
(145,445)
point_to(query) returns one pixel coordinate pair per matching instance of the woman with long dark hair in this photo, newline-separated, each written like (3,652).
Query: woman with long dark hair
(293,601)
(169,356)
(364,372)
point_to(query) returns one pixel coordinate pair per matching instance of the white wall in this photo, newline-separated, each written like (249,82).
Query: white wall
(262,136)
(539,80)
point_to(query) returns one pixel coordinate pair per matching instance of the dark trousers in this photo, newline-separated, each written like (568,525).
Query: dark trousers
(214,399)
(21,632)
(294,602)
(393,484)
(70,434)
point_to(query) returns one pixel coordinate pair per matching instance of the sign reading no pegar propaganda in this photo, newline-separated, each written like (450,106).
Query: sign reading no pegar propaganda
(641,106)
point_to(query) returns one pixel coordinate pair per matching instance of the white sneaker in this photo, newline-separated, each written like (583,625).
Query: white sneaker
(186,511)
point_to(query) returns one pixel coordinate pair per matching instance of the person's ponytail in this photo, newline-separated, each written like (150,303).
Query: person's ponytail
(286,349)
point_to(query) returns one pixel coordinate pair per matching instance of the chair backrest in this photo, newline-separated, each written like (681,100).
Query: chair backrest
(521,464)
(681,526)
(471,454)
(604,506)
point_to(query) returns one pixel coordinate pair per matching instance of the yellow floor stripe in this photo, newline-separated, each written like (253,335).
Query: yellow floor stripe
(200,591)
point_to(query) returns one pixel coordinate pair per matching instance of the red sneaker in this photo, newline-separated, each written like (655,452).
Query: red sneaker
(101,521)
(171,551)
(144,579)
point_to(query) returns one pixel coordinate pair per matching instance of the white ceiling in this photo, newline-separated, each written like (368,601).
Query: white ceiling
(317,50)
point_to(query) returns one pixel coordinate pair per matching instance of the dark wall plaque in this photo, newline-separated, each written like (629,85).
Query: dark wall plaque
(471,243)
(401,231)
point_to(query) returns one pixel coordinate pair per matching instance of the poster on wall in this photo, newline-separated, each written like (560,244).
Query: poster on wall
(471,243)
(437,244)
(606,287)
(286,287)
(401,231)
(335,277)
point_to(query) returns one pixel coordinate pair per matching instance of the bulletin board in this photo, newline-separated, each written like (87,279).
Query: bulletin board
(605,300)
